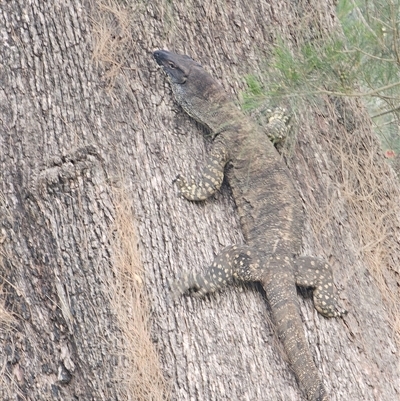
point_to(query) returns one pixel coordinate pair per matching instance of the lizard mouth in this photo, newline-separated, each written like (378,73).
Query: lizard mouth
(159,56)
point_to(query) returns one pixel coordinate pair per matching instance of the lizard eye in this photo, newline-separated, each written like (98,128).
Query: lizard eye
(171,65)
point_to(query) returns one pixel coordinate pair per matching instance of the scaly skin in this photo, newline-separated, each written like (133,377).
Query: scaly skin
(270,213)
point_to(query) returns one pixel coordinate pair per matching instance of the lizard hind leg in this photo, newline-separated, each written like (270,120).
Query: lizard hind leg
(317,274)
(234,262)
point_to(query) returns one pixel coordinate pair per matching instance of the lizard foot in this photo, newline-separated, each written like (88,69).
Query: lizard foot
(317,274)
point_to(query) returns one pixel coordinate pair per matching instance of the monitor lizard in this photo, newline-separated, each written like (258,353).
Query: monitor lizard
(269,208)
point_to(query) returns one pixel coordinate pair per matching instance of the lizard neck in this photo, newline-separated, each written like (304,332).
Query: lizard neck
(219,114)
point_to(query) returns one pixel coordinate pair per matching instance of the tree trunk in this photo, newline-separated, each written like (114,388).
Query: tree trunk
(88,154)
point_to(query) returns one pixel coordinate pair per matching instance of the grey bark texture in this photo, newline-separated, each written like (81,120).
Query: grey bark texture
(76,133)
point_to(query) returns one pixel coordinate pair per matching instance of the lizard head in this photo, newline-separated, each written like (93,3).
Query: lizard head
(194,88)
(176,66)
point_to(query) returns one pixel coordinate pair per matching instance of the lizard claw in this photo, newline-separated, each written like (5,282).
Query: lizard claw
(180,181)
(176,179)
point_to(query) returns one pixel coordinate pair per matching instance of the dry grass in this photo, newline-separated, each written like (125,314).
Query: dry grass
(140,373)
(6,321)
(371,192)
(8,385)
(112,33)
(373,209)
(6,318)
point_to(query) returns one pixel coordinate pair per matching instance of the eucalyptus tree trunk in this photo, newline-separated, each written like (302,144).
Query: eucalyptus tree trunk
(92,228)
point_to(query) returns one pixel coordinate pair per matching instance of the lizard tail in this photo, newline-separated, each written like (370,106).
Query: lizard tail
(281,293)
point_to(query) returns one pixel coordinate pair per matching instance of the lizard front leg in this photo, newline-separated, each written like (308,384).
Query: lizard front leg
(278,125)
(317,274)
(212,177)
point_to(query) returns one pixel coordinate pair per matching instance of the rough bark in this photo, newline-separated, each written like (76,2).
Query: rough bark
(73,133)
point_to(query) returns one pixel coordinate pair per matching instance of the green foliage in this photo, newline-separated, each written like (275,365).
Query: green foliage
(372,30)
(362,60)
(255,94)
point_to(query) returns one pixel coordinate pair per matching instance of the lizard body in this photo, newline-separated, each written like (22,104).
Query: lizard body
(270,212)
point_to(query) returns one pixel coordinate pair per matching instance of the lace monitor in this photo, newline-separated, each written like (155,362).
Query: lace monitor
(270,213)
